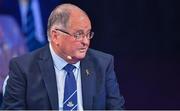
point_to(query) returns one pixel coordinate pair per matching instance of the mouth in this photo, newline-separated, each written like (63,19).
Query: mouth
(83,50)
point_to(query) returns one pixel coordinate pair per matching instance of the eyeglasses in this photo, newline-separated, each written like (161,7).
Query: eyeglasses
(79,34)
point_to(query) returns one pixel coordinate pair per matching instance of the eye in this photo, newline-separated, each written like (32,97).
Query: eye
(78,35)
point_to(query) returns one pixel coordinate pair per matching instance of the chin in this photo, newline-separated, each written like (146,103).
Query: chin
(81,56)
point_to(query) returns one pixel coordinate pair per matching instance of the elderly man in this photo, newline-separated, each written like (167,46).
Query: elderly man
(66,74)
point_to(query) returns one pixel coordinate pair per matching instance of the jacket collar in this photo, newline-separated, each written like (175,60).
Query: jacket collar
(88,81)
(48,73)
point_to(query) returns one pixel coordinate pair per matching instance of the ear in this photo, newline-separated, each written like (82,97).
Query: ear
(54,37)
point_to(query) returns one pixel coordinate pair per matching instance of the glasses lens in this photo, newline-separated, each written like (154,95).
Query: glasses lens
(80,35)
(90,35)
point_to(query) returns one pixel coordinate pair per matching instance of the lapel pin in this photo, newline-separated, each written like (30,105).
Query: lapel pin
(87,72)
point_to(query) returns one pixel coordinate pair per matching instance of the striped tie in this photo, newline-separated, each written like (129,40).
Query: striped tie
(70,89)
(29,30)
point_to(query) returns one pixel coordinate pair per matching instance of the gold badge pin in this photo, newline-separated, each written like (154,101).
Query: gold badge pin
(87,72)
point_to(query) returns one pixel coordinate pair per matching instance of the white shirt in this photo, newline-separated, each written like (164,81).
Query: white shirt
(23,5)
(59,63)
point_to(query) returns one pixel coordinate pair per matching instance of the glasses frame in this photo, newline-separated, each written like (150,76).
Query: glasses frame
(88,35)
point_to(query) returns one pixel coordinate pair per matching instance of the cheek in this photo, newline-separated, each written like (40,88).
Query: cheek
(71,47)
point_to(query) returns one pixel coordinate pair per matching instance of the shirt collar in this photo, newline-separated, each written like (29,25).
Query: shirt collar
(60,62)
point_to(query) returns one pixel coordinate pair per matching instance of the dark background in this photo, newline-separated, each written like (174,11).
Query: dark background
(143,36)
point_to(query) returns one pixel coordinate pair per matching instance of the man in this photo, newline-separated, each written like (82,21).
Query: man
(65,74)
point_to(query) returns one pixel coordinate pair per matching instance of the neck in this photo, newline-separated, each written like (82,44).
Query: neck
(67,58)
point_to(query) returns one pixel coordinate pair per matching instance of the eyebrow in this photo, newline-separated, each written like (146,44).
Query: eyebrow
(82,31)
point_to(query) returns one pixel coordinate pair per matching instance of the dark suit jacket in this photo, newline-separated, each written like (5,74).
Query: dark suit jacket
(32,82)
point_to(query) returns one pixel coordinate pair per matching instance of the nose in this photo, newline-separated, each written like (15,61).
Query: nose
(85,41)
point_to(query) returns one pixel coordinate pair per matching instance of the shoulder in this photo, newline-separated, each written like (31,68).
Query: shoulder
(99,56)
(30,58)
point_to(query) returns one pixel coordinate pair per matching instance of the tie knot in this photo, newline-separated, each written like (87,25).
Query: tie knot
(69,68)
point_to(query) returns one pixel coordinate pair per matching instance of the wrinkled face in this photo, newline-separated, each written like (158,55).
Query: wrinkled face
(67,44)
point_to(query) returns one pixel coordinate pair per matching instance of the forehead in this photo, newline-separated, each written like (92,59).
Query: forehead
(79,21)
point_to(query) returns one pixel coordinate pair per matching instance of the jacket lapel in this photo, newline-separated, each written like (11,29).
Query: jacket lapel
(88,82)
(48,73)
